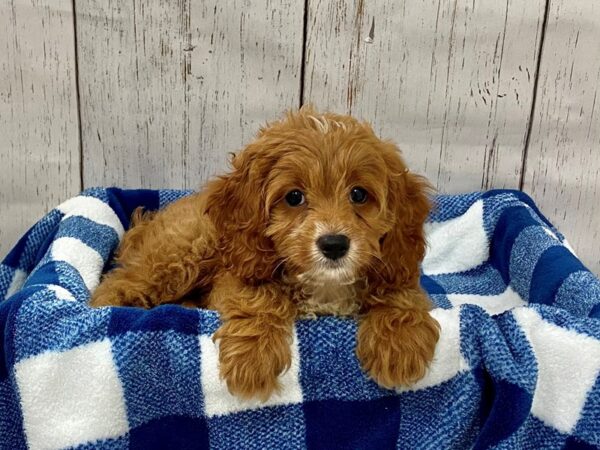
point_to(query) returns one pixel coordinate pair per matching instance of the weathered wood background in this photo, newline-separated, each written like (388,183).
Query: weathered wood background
(479,94)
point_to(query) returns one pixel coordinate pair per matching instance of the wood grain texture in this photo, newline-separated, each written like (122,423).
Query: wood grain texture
(450,82)
(170,87)
(563,159)
(39,149)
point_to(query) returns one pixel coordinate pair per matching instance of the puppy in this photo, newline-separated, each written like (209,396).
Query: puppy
(318,216)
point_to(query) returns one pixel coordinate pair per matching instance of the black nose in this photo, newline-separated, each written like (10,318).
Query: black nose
(333,246)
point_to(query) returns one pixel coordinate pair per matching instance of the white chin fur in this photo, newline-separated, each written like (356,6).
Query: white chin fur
(331,272)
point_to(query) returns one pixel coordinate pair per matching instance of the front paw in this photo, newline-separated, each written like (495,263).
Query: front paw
(251,359)
(121,288)
(396,346)
(107,294)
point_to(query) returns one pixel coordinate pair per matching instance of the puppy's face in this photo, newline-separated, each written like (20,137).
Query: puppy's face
(327,198)
(332,198)
(326,201)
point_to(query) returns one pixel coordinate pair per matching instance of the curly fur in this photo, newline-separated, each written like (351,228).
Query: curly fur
(239,248)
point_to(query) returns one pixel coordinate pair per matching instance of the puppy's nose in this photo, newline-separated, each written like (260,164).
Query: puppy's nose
(333,246)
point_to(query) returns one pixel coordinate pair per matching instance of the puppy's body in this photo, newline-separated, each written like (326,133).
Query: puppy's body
(318,216)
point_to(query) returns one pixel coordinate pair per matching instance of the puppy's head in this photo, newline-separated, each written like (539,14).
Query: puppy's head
(319,199)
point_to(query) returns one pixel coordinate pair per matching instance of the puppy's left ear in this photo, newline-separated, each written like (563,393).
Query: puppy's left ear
(236,205)
(403,247)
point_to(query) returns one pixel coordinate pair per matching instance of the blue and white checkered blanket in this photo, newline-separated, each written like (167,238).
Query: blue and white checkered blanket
(517,365)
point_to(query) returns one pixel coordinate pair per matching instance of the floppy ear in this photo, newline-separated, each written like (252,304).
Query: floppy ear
(236,205)
(403,247)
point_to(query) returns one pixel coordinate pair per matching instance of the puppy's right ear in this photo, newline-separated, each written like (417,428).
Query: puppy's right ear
(236,204)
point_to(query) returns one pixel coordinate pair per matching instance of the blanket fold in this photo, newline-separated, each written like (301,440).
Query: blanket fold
(517,364)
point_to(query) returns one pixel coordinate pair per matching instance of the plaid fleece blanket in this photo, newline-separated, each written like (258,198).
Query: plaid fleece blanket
(517,364)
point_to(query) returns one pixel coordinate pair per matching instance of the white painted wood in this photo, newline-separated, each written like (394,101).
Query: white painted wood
(563,160)
(169,88)
(39,145)
(451,82)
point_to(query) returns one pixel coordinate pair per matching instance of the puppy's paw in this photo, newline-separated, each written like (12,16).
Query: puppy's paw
(100,299)
(122,288)
(107,294)
(251,360)
(395,346)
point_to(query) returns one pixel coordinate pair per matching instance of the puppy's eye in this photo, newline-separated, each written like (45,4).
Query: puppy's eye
(295,198)
(358,195)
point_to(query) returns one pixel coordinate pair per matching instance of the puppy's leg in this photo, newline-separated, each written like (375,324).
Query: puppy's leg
(161,258)
(255,338)
(397,338)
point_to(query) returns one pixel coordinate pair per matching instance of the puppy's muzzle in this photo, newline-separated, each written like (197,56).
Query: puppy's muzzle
(333,246)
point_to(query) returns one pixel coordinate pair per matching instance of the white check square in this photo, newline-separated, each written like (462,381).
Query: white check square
(71,397)
(568,365)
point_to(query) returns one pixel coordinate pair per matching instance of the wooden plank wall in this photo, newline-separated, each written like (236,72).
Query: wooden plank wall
(39,126)
(155,94)
(169,88)
(563,157)
(454,94)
